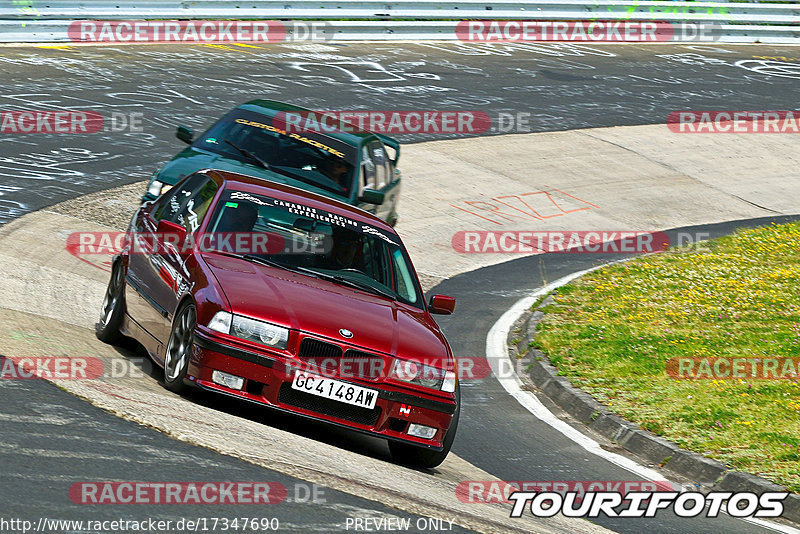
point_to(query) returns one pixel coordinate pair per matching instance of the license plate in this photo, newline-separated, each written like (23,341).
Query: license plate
(335,390)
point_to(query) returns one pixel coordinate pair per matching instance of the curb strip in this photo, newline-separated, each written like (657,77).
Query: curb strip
(588,411)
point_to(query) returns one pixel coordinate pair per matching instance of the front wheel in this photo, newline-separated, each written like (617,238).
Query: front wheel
(417,456)
(107,330)
(179,347)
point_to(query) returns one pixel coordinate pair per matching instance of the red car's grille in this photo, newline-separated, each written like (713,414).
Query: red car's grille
(331,408)
(314,348)
(327,358)
(363,364)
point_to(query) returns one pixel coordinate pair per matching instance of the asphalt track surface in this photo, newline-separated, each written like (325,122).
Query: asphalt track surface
(529,449)
(562,86)
(51,440)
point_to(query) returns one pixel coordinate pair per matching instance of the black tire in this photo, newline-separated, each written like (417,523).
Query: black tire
(179,348)
(419,457)
(113,310)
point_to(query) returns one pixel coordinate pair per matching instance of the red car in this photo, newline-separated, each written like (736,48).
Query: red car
(282,297)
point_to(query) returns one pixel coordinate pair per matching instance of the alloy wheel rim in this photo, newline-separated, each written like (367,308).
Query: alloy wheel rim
(112,296)
(179,344)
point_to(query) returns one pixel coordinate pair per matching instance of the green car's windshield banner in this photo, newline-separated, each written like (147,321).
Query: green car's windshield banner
(332,146)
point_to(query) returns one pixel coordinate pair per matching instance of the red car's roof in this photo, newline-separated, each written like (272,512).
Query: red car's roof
(250,184)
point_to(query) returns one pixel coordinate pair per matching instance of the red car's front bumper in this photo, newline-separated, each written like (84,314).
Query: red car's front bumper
(268,381)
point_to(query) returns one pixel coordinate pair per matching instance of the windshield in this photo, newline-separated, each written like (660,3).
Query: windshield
(319,243)
(309,157)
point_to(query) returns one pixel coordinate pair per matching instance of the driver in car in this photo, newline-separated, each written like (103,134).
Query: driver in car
(239,218)
(336,169)
(345,251)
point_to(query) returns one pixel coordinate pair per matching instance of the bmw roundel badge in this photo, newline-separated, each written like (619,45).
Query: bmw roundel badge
(344,332)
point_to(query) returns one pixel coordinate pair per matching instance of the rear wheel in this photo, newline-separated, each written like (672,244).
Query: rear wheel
(417,456)
(107,330)
(179,347)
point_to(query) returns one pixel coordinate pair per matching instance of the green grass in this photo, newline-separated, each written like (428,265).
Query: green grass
(613,331)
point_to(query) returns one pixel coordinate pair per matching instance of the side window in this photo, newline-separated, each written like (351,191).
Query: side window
(374,258)
(367,169)
(166,206)
(383,169)
(405,281)
(187,203)
(197,207)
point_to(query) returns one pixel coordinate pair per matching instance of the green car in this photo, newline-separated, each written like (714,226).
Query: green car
(353,166)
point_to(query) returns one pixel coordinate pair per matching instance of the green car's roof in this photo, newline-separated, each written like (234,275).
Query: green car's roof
(270,108)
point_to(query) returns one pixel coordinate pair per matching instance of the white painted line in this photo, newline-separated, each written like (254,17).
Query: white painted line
(497,356)
(772,526)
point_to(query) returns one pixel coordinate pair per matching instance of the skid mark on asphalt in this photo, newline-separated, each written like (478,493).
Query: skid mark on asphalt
(363,76)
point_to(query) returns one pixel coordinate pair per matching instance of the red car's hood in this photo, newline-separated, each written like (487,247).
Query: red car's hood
(317,306)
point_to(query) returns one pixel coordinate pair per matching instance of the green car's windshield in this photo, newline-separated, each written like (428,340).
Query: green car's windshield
(312,158)
(319,243)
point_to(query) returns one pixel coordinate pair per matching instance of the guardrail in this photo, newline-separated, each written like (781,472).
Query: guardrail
(749,13)
(56,31)
(765,22)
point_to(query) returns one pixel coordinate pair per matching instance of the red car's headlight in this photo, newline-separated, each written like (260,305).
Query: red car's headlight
(423,375)
(250,329)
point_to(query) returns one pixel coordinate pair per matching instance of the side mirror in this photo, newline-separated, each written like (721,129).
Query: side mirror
(442,304)
(185,134)
(373,196)
(173,233)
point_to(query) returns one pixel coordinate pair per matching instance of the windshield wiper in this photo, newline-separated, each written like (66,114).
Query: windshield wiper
(363,286)
(256,259)
(343,280)
(248,154)
(265,261)
(284,170)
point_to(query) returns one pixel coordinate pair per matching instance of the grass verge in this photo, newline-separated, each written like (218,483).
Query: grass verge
(613,331)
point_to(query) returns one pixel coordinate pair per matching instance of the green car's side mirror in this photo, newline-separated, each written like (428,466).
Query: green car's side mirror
(185,134)
(372,196)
